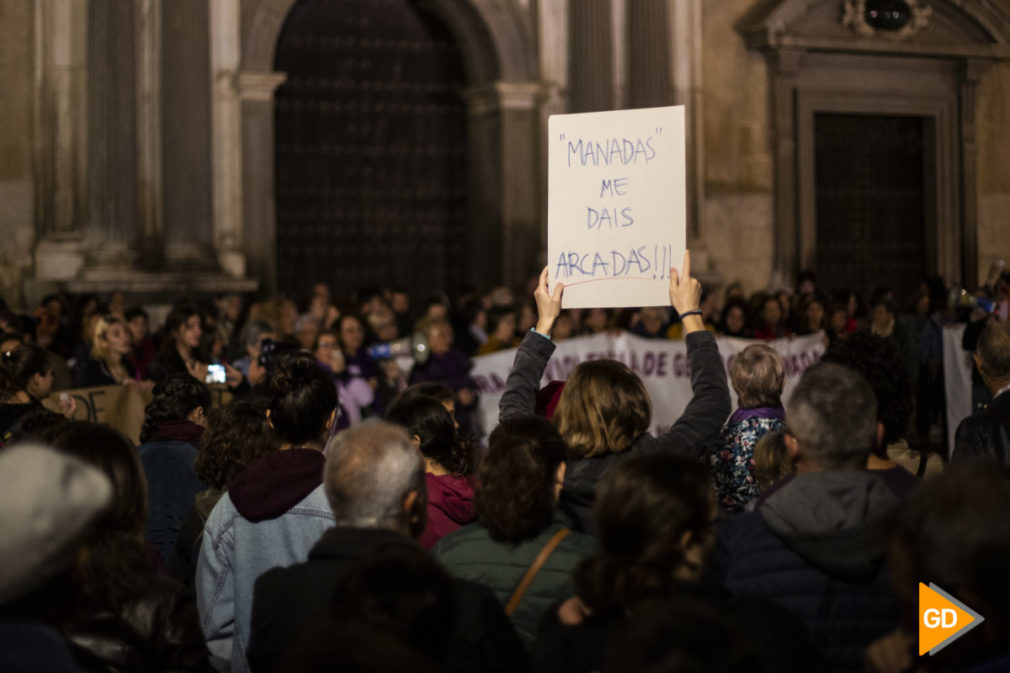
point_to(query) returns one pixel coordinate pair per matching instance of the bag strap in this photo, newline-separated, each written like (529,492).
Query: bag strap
(538,563)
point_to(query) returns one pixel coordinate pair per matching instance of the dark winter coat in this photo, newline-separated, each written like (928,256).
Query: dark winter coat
(156,630)
(985,435)
(171,483)
(288,600)
(817,546)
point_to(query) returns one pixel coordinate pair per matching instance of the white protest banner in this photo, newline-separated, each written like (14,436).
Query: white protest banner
(617,209)
(663,366)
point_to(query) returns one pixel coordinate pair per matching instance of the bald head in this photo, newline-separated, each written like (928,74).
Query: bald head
(371,470)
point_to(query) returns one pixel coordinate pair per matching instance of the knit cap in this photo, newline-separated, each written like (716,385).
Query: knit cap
(48,501)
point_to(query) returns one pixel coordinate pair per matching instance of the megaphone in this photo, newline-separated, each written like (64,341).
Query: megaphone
(961,298)
(415,347)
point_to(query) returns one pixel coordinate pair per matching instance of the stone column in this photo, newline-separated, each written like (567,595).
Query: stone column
(784,66)
(61,134)
(591,67)
(649,59)
(553,47)
(971,72)
(149,174)
(186,136)
(505,238)
(686,67)
(226,120)
(112,116)
(258,207)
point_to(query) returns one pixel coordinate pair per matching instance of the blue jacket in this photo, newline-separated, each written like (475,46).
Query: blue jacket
(171,486)
(817,547)
(271,516)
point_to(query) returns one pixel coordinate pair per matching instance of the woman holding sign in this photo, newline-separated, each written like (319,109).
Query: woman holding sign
(604,411)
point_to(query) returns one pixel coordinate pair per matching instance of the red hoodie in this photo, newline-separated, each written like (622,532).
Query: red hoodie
(450,505)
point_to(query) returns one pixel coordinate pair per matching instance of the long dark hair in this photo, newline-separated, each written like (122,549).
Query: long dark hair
(515,491)
(236,433)
(302,398)
(644,506)
(427,418)
(174,397)
(18,366)
(176,318)
(117,562)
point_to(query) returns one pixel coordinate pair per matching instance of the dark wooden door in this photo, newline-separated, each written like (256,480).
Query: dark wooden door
(870,202)
(370,148)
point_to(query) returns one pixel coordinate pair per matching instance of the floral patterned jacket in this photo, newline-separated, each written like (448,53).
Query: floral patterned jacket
(732,457)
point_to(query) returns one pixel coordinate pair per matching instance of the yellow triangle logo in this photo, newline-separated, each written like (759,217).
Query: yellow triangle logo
(942,619)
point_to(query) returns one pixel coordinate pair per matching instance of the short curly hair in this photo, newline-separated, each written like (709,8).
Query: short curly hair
(236,434)
(881,364)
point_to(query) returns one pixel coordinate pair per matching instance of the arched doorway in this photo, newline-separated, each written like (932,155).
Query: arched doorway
(370,147)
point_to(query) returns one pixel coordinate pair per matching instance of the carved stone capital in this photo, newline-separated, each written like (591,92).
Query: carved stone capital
(258,86)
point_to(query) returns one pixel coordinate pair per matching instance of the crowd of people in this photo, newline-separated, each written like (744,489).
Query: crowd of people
(336,511)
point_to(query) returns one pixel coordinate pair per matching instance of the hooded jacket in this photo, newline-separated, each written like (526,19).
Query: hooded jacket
(450,505)
(817,546)
(272,514)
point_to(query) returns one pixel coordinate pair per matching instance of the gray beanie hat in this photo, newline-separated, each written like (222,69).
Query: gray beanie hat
(47,502)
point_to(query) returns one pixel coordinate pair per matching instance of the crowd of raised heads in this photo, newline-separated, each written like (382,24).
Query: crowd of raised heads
(307,490)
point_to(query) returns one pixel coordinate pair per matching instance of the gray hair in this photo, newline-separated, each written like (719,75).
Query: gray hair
(370,469)
(994,351)
(832,413)
(253,331)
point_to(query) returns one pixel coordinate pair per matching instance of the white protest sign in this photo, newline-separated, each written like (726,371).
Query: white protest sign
(617,209)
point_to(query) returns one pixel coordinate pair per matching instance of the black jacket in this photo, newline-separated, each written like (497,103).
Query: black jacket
(157,630)
(288,600)
(689,436)
(985,435)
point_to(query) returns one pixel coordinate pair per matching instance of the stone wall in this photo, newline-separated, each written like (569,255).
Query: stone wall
(737,221)
(17,203)
(994,167)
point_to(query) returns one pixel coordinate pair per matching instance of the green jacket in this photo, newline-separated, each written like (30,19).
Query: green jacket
(471,554)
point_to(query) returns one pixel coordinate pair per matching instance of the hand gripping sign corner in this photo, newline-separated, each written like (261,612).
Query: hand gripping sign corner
(942,619)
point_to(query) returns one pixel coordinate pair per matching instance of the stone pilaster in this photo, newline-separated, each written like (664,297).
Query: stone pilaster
(188,217)
(255,91)
(591,65)
(226,120)
(60,136)
(112,122)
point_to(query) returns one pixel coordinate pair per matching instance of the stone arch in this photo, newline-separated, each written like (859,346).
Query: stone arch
(498,48)
(495,39)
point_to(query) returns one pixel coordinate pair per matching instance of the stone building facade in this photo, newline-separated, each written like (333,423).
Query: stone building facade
(137,150)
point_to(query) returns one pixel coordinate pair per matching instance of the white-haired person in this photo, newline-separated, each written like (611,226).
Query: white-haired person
(758,375)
